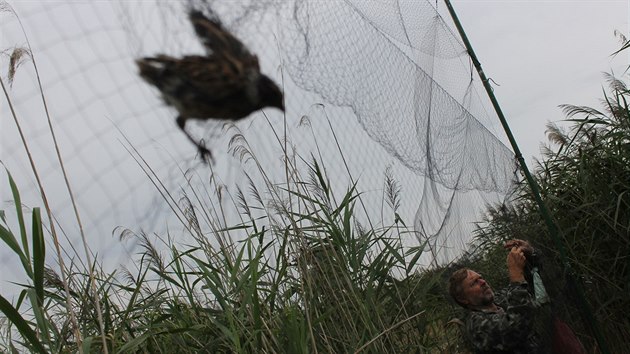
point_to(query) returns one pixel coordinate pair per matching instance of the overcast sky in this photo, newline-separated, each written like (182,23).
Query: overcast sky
(543,54)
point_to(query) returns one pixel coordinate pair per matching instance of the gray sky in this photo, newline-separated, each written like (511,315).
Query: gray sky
(543,54)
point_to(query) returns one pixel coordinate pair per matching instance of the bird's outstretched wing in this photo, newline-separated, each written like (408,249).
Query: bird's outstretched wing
(218,41)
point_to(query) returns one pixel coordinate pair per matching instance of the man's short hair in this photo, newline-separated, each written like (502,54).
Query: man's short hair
(455,286)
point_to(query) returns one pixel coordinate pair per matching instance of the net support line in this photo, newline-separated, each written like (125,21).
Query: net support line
(554,231)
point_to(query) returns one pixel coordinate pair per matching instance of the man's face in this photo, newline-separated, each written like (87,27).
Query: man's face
(477,292)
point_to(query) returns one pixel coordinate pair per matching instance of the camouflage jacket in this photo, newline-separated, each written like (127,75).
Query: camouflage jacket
(508,330)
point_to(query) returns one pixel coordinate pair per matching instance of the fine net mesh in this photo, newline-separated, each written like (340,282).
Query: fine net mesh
(371,88)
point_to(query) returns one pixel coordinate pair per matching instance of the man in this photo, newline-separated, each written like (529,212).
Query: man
(500,323)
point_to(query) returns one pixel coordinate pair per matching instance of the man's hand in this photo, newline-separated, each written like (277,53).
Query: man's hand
(527,249)
(516,264)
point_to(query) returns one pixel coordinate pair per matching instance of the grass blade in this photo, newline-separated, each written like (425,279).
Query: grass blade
(20,323)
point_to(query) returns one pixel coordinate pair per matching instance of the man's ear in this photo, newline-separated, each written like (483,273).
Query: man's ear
(463,301)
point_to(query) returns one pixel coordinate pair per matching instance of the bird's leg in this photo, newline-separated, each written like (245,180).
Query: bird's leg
(206,155)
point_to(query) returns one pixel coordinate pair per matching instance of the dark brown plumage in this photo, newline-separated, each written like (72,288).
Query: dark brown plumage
(226,83)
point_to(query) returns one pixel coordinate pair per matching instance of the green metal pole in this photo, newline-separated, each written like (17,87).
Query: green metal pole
(544,211)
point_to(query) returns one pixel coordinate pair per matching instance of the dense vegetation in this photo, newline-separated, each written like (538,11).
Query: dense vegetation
(303,279)
(585,182)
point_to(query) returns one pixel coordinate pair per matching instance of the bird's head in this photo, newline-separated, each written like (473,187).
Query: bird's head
(270,94)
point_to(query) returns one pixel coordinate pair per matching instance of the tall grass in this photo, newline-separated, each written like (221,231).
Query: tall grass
(18,56)
(300,276)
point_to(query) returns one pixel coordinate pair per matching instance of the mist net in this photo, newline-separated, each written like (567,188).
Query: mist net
(373,89)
